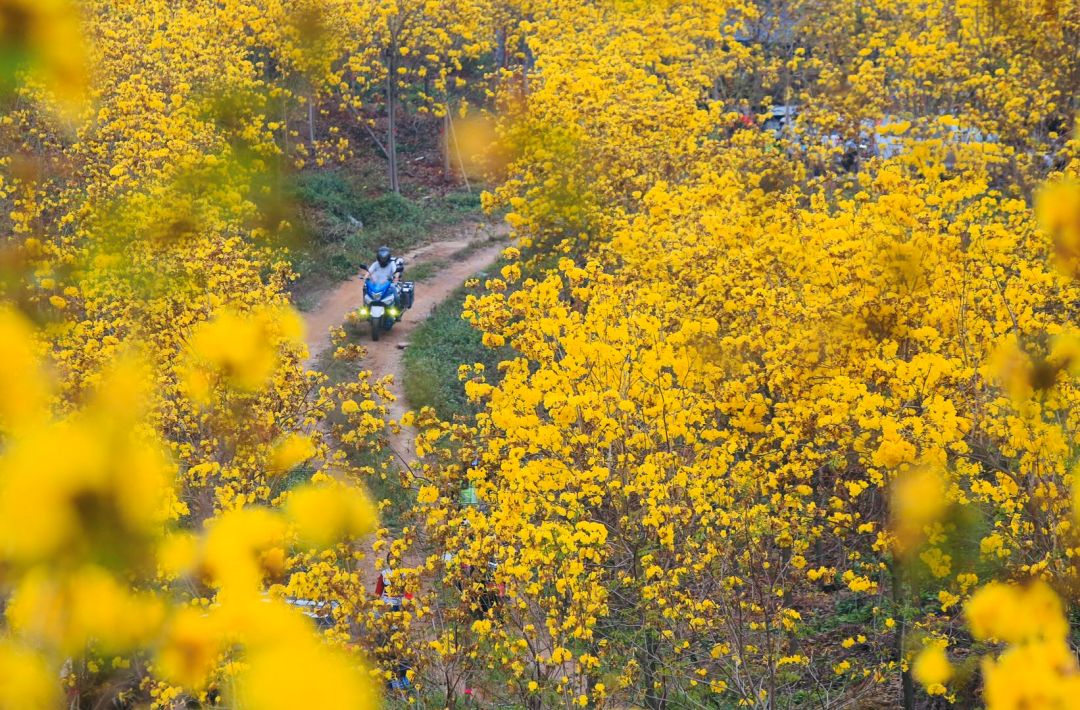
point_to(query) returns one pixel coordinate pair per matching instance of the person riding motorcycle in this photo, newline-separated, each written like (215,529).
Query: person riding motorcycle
(385,267)
(386,296)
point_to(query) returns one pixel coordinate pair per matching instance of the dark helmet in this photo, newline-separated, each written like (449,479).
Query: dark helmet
(383,255)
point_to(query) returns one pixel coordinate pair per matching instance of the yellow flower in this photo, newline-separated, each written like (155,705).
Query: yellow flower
(327,514)
(918,499)
(26,680)
(192,642)
(1015,614)
(234,543)
(427,495)
(244,347)
(931,666)
(23,388)
(286,676)
(178,554)
(1057,206)
(291,451)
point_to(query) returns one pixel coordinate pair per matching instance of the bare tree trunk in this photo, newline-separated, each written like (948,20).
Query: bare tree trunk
(448,168)
(457,149)
(655,699)
(906,683)
(391,127)
(526,67)
(311,118)
(285,124)
(500,48)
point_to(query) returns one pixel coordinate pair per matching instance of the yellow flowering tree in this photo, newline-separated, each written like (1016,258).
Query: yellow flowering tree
(154,398)
(759,389)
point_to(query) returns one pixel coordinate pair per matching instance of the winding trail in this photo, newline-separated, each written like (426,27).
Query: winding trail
(467,250)
(463,253)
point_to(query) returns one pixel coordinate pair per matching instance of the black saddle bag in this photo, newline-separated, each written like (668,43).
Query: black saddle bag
(405,291)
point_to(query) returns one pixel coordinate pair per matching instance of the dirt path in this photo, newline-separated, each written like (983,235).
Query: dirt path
(465,252)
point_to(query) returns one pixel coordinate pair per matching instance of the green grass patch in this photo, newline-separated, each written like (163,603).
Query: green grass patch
(847,611)
(294,478)
(436,349)
(425,270)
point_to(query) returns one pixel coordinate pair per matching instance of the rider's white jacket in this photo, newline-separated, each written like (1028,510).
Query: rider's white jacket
(379,273)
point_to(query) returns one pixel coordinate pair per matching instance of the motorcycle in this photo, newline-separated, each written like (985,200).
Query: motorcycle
(384,303)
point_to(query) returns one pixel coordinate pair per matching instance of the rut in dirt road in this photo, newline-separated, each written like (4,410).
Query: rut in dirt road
(479,246)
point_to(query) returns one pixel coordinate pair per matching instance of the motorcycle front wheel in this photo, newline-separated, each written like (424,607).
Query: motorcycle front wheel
(376,328)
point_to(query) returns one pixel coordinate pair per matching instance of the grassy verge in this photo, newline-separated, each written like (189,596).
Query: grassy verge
(436,349)
(426,270)
(342,224)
